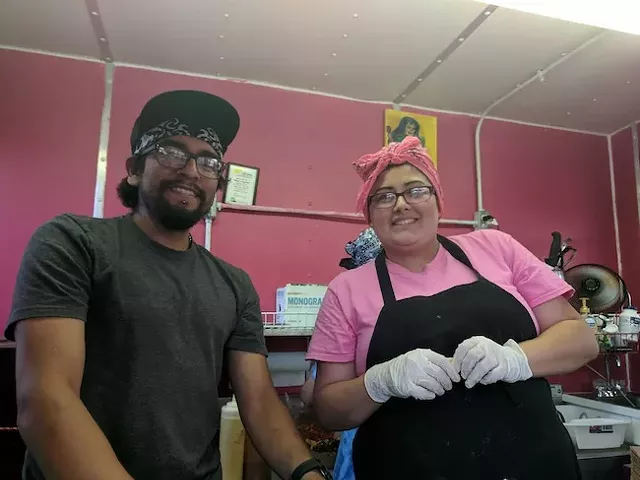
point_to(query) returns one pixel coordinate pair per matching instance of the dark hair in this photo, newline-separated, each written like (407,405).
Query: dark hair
(128,194)
(398,134)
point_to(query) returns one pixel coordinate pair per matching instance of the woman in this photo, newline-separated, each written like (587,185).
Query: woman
(438,349)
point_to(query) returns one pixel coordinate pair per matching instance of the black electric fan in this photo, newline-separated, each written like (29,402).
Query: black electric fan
(605,290)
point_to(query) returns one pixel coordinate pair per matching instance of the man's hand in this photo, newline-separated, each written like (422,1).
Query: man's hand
(421,374)
(481,360)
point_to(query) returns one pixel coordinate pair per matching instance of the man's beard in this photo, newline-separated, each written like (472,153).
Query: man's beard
(173,217)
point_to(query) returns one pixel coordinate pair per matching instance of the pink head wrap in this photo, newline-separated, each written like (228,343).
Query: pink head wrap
(411,151)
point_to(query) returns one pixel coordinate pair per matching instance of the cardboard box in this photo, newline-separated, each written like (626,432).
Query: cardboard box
(298,305)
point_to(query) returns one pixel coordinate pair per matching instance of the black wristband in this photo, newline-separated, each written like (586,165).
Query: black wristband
(309,466)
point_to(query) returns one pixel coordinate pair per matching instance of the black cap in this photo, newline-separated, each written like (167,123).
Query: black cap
(185,112)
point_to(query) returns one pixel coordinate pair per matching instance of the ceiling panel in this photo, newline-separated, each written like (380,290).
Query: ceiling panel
(506,50)
(597,89)
(60,26)
(363,49)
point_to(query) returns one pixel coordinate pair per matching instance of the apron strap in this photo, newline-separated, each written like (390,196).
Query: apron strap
(383,278)
(383,272)
(457,253)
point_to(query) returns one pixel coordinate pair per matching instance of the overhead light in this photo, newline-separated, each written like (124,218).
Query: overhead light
(619,15)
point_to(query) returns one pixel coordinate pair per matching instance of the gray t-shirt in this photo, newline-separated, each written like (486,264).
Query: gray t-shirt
(157,323)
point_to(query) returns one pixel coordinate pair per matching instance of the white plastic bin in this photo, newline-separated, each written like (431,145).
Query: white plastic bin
(593,433)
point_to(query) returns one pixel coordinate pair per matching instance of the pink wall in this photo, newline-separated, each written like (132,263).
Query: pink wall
(628,224)
(536,180)
(627,204)
(50,118)
(304,145)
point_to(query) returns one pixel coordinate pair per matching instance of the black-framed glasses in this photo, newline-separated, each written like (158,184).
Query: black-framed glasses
(176,158)
(411,195)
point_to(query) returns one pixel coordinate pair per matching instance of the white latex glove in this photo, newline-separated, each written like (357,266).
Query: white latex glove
(421,374)
(481,360)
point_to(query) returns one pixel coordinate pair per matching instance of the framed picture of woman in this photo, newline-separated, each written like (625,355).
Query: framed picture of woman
(398,125)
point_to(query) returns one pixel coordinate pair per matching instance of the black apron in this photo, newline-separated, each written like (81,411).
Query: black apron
(489,432)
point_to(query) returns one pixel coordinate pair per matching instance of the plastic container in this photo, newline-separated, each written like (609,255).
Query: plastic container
(594,433)
(232,440)
(629,324)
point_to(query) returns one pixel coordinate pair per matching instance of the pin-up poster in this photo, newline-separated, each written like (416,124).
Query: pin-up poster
(398,125)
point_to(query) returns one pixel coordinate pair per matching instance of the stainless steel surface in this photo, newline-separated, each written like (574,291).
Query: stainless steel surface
(603,453)
(621,399)
(101,169)
(614,205)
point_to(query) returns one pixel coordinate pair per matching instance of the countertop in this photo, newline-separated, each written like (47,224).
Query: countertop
(621,451)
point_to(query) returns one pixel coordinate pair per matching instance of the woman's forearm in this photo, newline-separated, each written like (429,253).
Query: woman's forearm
(562,348)
(343,405)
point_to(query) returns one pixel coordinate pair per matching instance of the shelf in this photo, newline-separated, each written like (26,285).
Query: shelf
(617,342)
(284,331)
(275,324)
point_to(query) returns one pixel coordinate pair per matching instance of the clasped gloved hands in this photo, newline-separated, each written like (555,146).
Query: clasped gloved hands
(424,374)
(481,360)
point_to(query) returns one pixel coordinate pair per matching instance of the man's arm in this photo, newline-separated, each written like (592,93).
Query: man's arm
(50,304)
(54,423)
(265,417)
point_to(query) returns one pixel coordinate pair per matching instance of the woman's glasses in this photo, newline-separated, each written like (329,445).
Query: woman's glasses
(412,196)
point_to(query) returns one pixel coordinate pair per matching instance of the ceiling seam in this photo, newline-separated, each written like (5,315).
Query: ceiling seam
(51,54)
(446,53)
(350,99)
(615,132)
(300,90)
(98,29)
(539,75)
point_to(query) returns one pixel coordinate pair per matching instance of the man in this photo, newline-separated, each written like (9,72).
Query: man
(122,324)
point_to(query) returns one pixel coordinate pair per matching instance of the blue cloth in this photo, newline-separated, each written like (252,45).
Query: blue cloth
(343,469)
(364,248)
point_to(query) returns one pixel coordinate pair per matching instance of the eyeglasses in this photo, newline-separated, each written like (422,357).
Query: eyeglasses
(412,196)
(176,158)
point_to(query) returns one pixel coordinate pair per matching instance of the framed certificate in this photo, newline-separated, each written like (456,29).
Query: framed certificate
(242,184)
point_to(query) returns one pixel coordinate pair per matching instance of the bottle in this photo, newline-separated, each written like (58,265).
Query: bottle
(629,323)
(232,439)
(585,313)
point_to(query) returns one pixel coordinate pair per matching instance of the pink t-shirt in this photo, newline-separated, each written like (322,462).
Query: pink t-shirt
(353,301)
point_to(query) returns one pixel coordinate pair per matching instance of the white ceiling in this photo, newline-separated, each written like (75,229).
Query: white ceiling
(362,49)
